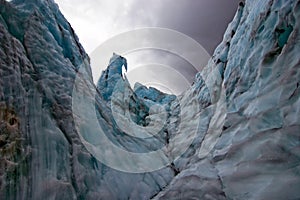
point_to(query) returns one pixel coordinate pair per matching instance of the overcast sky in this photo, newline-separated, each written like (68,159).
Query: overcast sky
(96,21)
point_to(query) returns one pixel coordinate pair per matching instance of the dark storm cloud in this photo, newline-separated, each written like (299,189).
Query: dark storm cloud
(203,20)
(97,20)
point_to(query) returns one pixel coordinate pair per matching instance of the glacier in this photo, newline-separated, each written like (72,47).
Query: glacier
(234,134)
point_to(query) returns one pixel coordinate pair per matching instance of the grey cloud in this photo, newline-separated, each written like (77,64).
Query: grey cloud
(203,20)
(95,21)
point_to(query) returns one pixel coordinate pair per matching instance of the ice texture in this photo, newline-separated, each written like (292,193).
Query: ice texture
(42,156)
(247,140)
(257,154)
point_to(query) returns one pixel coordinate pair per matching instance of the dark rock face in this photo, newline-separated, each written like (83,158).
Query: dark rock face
(248,127)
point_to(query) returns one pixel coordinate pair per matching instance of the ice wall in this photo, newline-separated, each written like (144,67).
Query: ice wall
(256,155)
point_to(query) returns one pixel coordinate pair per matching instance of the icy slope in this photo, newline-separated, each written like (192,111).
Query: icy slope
(42,156)
(257,154)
